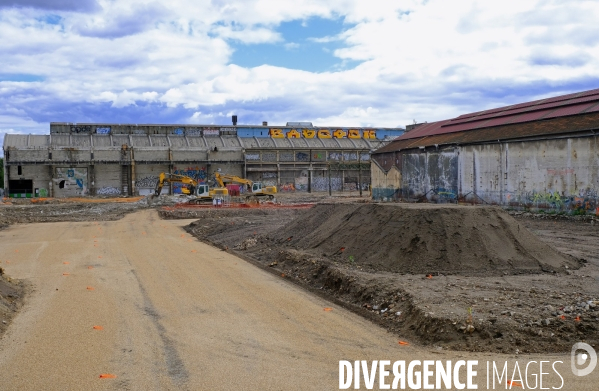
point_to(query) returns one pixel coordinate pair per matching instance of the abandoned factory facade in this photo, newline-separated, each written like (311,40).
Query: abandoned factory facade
(542,155)
(119,160)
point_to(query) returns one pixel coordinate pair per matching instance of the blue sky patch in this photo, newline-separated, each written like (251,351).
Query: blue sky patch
(51,19)
(299,50)
(22,77)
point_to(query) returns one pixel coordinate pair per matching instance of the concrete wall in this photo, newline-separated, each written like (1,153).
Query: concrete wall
(39,174)
(557,175)
(146,178)
(108,180)
(146,152)
(70,181)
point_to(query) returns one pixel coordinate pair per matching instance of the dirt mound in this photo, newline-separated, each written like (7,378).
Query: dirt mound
(423,239)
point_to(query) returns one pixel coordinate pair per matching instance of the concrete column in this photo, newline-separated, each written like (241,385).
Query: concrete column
(132,185)
(278,171)
(360,173)
(50,185)
(330,185)
(92,180)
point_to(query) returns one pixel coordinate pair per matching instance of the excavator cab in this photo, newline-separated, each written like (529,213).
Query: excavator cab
(202,191)
(256,187)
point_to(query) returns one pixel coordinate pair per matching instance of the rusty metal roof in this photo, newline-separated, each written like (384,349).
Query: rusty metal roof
(559,106)
(548,127)
(574,111)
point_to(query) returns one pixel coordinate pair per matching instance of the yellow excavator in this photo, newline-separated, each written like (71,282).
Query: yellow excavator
(255,189)
(201,192)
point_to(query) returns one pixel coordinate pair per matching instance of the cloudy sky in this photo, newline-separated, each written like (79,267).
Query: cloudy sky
(335,62)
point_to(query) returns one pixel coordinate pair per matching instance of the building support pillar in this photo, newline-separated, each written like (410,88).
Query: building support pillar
(132,184)
(50,184)
(92,180)
(360,172)
(330,185)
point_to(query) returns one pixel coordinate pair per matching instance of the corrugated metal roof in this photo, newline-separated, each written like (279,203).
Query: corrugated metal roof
(553,126)
(560,106)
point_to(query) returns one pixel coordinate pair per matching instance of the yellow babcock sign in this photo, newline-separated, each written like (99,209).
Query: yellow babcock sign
(322,133)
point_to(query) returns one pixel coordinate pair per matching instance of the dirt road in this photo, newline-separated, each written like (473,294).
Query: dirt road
(175,314)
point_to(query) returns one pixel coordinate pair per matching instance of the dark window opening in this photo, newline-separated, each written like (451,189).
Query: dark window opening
(20,186)
(61,184)
(19,170)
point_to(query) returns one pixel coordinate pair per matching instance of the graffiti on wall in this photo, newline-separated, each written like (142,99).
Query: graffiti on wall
(269,156)
(70,181)
(178,131)
(108,190)
(197,173)
(302,157)
(269,175)
(551,198)
(211,132)
(319,155)
(322,133)
(585,202)
(335,156)
(350,156)
(446,194)
(301,183)
(322,184)
(103,130)
(81,129)
(252,156)
(193,132)
(287,187)
(147,182)
(353,186)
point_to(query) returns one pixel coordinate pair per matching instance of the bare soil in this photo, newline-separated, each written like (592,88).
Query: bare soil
(469,278)
(65,211)
(12,294)
(462,278)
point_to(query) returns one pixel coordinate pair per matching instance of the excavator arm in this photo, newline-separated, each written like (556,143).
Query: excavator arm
(172,178)
(231,178)
(255,189)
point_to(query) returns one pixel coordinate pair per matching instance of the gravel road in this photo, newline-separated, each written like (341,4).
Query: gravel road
(176,314)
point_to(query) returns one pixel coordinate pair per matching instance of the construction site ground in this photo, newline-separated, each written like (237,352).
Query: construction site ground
(175,313)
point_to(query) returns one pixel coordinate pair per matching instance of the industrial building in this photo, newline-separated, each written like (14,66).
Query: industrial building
(541,154)
(126,159)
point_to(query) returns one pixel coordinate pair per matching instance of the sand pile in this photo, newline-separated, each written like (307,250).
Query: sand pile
(422,239)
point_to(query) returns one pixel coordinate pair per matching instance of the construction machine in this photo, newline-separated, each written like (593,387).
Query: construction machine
(202,192)
(255,189)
